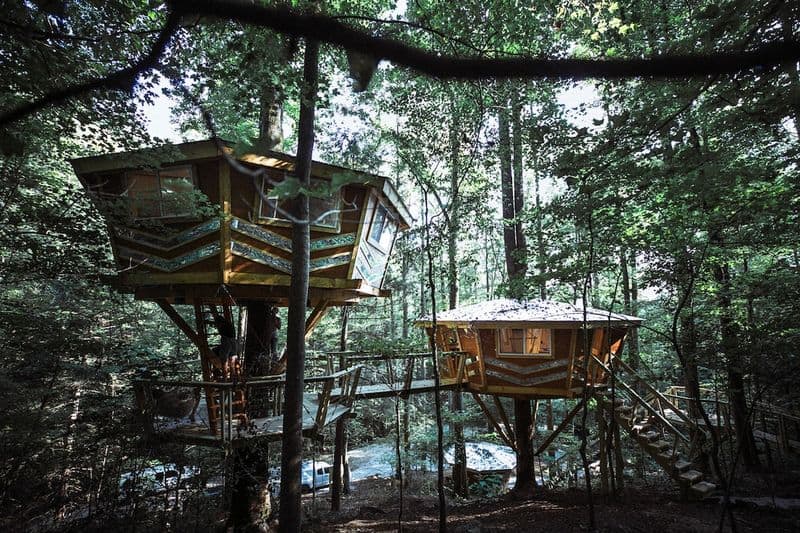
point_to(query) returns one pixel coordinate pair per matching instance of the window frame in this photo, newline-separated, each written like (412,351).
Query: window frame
(159,187)
(525,329)
(389,217)
(263,196)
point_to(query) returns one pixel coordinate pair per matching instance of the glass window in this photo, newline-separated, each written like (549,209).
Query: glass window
(383,228)
(169,192)
(272,208)
(524,341)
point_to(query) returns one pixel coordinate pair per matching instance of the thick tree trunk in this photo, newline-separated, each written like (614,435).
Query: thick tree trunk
(734,363)
(523,420)
(270,121)
(292,449)
(507,189)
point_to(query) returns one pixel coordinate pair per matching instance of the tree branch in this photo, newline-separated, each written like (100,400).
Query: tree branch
(123,78)
(327,29)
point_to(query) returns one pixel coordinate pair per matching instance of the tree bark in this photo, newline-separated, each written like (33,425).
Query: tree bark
(270,121)
(292,449)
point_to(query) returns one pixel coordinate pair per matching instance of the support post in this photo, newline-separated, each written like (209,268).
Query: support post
(339,450)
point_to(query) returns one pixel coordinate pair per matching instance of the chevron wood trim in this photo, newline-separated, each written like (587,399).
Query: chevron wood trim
(527,370)
(173,264)
(529,382)
(167,243)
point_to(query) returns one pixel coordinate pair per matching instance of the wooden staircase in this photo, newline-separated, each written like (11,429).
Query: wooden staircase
(659,427)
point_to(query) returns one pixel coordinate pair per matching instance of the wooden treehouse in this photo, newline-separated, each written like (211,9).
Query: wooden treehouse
(542,350)
(531,349)
(200,225)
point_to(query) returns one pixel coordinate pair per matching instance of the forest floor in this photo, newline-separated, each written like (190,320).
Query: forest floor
(373,505)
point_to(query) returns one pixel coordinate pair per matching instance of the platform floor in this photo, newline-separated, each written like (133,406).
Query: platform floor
(267,428)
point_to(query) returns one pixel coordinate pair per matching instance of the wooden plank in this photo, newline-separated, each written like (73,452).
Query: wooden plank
(160,278)
(225,256)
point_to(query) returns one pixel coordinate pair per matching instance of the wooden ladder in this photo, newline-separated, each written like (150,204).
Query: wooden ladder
(656,424)
(234,400)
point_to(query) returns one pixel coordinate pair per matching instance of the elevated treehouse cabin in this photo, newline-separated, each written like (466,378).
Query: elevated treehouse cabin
(198,224)
(542,349)
(530,349)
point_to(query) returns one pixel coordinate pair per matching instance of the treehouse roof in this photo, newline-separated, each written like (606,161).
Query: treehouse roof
(508,312)
(214,147)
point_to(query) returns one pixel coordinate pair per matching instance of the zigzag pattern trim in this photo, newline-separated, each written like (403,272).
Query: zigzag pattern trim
(282,243)
(167,243)
(170,265)
(526,370)
(260,256)
(331,261)
(526,382)
(260,234)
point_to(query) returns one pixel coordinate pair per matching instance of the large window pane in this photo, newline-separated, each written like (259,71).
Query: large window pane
(144,195)
(383,228)
(276,209)
(524,341)
(166,193)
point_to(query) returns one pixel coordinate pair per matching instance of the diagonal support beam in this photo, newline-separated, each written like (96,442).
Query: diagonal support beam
(180,322)
(500,430)
(560,428)
(316,316)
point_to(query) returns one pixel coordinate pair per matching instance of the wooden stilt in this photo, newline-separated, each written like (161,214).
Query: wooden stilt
(560,428)
(316,316)
(338,463)
(603,444)
(501,410)
(494,423)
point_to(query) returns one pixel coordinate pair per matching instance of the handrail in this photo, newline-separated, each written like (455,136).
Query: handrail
(674,408)
(279,379)
(663,420)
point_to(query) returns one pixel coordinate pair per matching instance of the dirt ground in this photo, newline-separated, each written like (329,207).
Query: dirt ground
(374,505)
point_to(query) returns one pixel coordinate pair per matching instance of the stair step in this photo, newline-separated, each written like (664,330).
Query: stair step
(702,489)
(667,455)
(691,476)
(651,436)
(682,465)
(641,427)
(660,445)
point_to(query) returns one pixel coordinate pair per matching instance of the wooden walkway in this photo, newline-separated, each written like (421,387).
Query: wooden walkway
(388,390)
(267,428)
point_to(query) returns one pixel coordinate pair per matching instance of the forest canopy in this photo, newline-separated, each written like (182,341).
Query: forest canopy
(634,157)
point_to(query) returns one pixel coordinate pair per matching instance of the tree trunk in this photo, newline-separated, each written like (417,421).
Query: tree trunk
(460,451)
(514,241)
(270,121)
(734,362)
(292,449)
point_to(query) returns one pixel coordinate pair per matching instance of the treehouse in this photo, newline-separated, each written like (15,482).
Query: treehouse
(530,349)
(198,224)
(185,219)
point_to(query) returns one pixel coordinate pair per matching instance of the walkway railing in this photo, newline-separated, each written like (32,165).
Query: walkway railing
(165,406)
